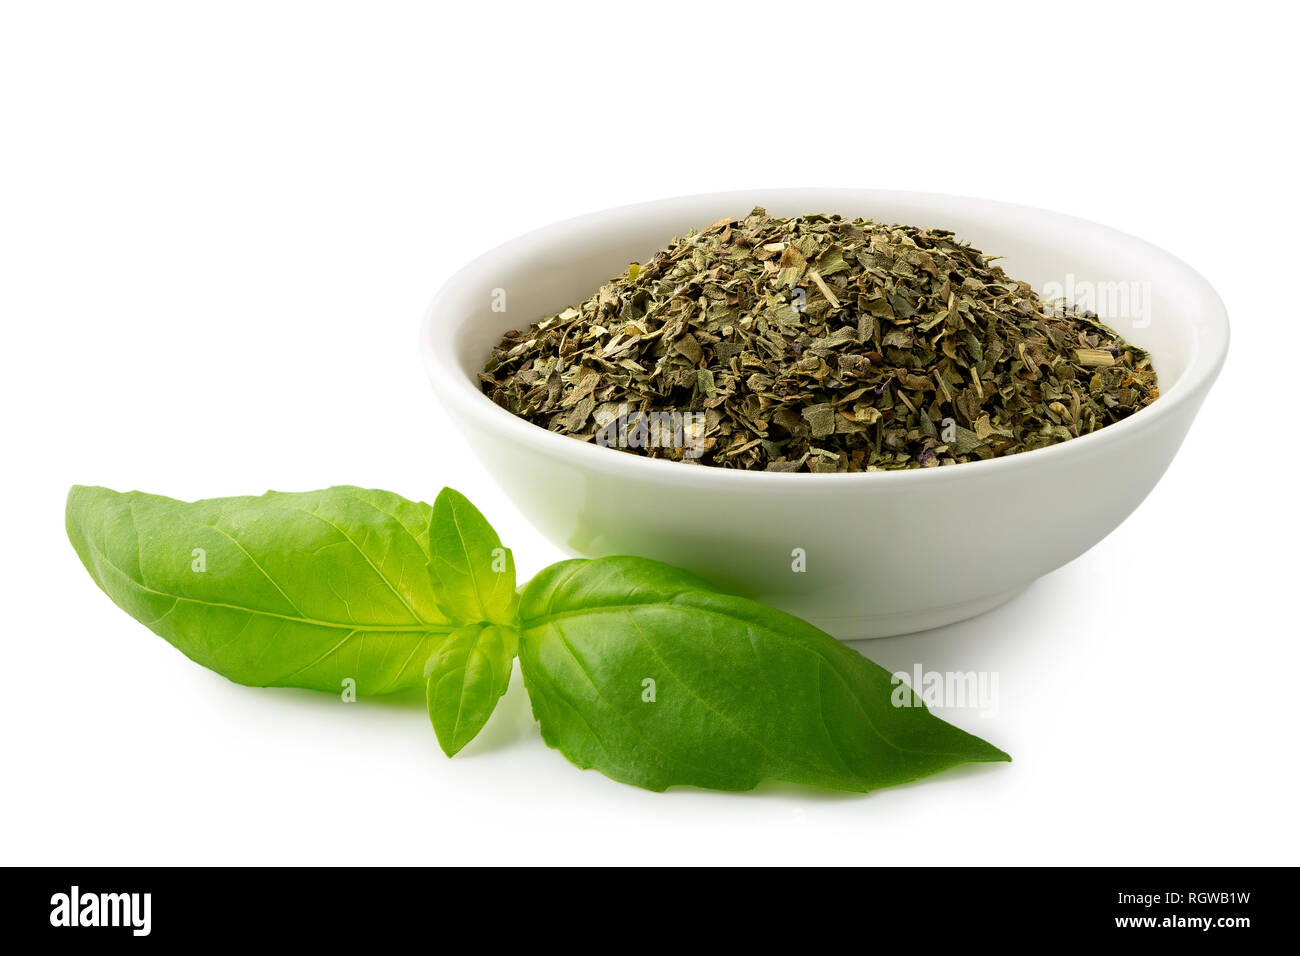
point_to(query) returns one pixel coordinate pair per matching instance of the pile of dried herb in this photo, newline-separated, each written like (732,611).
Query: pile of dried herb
(821,344)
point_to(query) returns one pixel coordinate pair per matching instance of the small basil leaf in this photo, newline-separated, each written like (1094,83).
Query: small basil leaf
(654,678)
(307,589)
(466,677)
(475,575)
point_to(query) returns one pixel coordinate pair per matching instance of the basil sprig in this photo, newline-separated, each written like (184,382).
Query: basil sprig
(635,668)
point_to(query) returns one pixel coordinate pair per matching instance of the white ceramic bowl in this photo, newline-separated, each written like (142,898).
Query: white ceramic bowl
(886,552)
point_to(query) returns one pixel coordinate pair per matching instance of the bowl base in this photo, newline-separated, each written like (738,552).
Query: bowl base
(894,625)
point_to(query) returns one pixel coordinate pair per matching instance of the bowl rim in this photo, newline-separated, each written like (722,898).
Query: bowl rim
(463,397)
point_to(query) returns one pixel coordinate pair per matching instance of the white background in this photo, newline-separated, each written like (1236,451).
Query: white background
(219,224)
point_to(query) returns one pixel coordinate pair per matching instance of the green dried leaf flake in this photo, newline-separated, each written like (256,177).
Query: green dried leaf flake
(880,304)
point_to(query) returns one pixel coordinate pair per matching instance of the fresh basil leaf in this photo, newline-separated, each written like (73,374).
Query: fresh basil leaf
(467,675)
(654,678)
(475,575)
(306,589)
